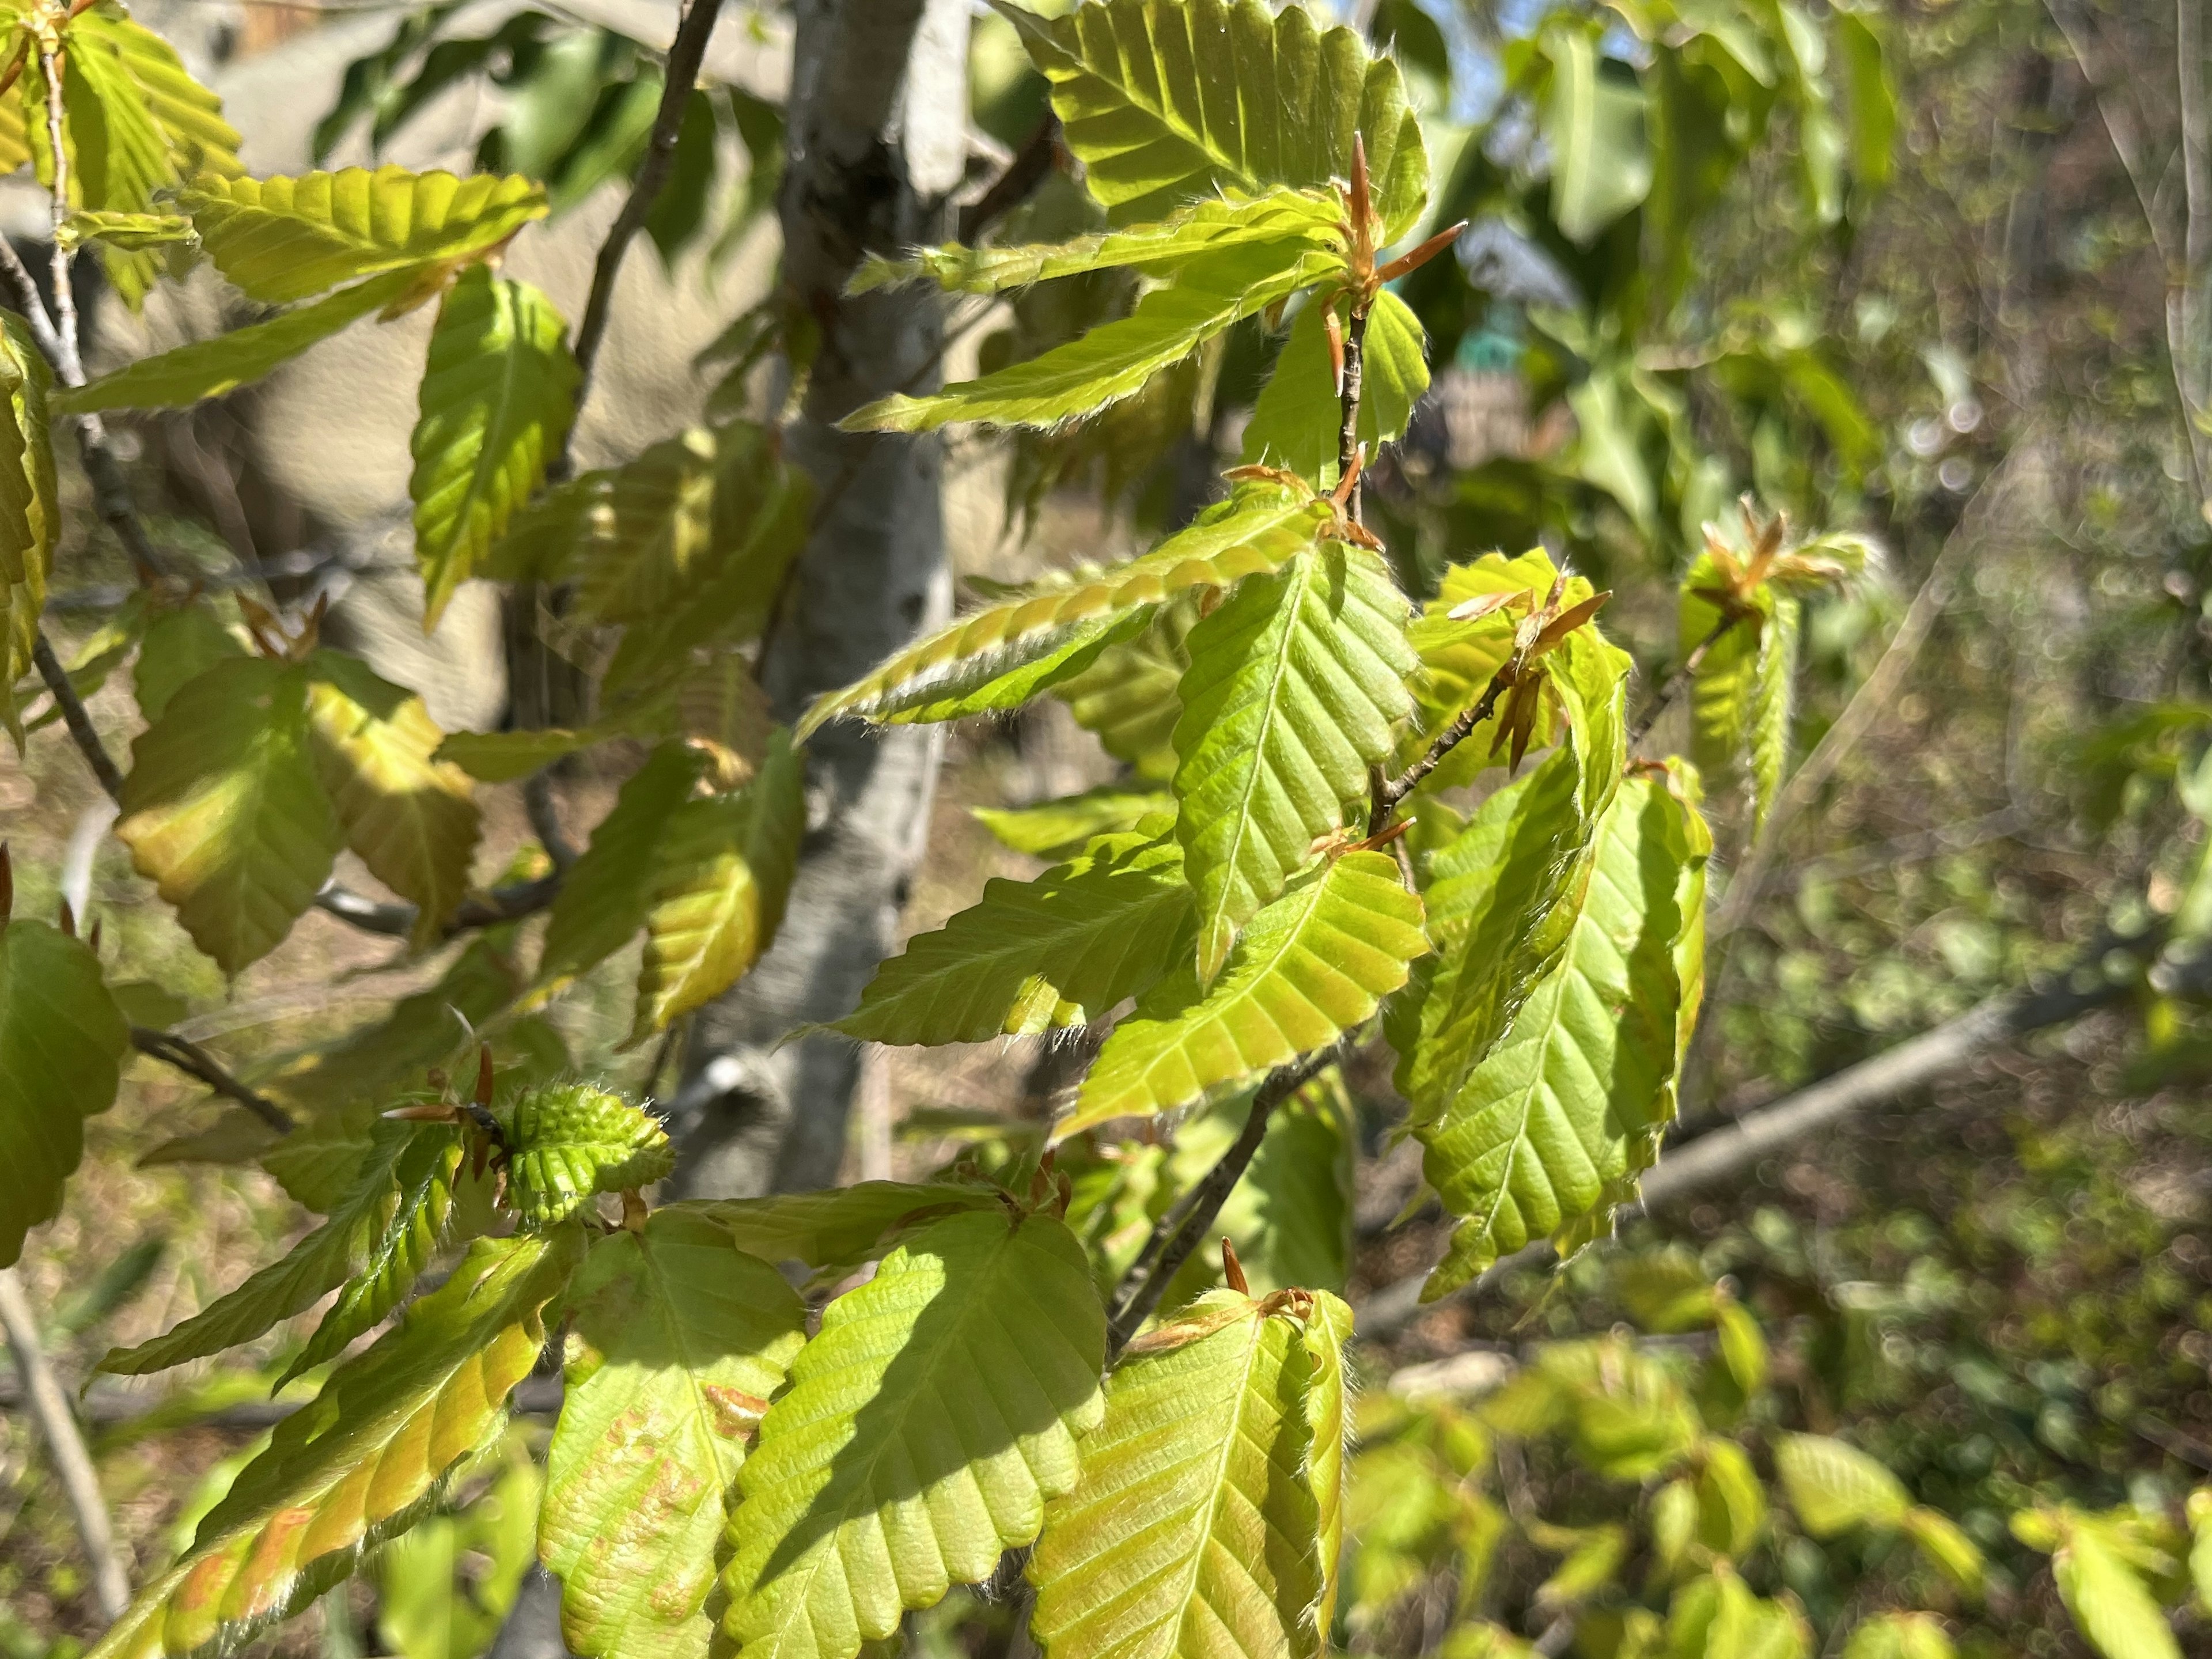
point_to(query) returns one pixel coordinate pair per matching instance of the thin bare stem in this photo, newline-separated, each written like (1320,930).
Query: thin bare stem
(50,1409)
(1671,687)
(693,28)
(195,1061)
(1182,1230)
(1032,166)
(70,364)
(1387,794)
(76,717)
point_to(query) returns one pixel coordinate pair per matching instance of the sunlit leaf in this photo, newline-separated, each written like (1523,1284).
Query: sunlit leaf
(1298,420)
(1834,1486)
(1059,829)
(29,505)
(608,894)
(61,1037)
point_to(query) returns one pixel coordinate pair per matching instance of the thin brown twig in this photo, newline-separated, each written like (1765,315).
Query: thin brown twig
(1389,792)
(195,1061)
(1032,165)
(1671,687)
(73,1467)
(76,717)
(694,26)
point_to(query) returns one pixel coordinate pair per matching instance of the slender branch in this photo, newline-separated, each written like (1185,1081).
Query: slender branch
(1387,794)
(1032,166)
(50,1409)
(195,1061)
(397,920)
(693,28)
(544,814)
(70,364)
(1355,374)
(1180,1232)
(76,717)
(1671,687)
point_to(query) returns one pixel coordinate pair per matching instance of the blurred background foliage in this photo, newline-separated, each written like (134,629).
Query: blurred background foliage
(1914,270)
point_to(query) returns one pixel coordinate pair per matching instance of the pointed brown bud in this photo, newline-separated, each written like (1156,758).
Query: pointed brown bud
(1406,264)
(1363,210)
(1232,1270)
(483,1075)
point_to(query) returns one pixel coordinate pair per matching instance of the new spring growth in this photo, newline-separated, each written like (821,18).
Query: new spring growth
(1364,278)
(1540,630)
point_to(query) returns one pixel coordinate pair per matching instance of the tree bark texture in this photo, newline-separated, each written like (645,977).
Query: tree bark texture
(877,142)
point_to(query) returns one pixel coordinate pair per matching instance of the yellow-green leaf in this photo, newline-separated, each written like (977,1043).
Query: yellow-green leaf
(1312,965)
(412,818)
(370,1456)
(841,1227)
(498,394)
(1292,688)
(725,865)
(1036,956)
(1299,420)
(1834,1486)
(29,506)
(287,239)
(1059,829)
(224,812)
(61,1037)
(608,892)
(925,1429)
(1196,1531)
(679,1341)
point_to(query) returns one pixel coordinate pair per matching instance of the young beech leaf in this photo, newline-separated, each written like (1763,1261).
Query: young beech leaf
(1212,292)
(224,809)
(837,1230)
(1129,696)
(369,1457)
(381,1221)
(1717,1617)
(2104,1592)
(1059,829)
(1501,894)
(1165,101)
(1039,955)
(186,374)
(1197,1530)
(609,891)
(725,865)
(567,1141)
(29,506)
(1772,697)
(1900,1635)
(1312,965)
(410,817)
(678,1340)
(1329,1414)
(1292,688)
(924,1429)
(181,643)
(1834,1487)
(1310,216)
(1536,1137)
(1298,420)
(189,115)
(956,671)
(282,240)
(498,393)
(61,1037)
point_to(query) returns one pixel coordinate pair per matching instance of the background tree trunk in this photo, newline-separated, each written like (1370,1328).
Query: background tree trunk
(877,144)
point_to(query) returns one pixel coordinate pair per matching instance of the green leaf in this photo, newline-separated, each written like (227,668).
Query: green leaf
(568,1141)
(1308,216)
(61,1038)
(1900,1635)
(1059,829)
(187,374)
(135,232)
(189,116)
(925,1429)
(1039,955)
(1594,122)
(385,1218)
(838,1229)
(444,1587)
(1328,1414)
(1129,696)
(1166,102)
(498,394)
(181,644)
(29,505)
(1548,1126)
(1835,1487)
(1212,292)
(608,893)
(1772,689)
(1262,525)
(224,812)
(284,239)
(1292,688)
(1717,1617)
(725,865)
(370,1456)
(1948,1547)
(412,818)
(1298,420)
(679,1341)
(1731,1502)
(511,756)
(1196,1529)
(1501,894)
(2107,1598)
(1312,965)
(2200,1544)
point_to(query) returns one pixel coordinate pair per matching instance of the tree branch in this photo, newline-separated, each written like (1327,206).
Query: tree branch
(76,717)
(693,28)
(1671,687)
(1032,166)
(1387,794)
(195,1061)
(79,1481)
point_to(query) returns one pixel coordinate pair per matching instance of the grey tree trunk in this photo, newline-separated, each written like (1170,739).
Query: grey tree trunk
(878,142)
